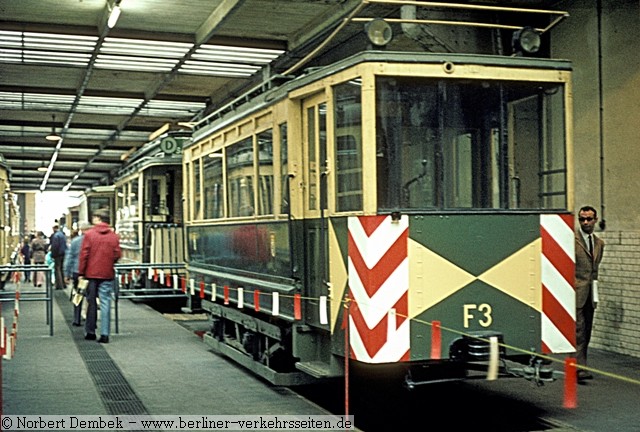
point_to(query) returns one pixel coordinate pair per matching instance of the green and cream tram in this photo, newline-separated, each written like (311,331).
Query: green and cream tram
(347,211)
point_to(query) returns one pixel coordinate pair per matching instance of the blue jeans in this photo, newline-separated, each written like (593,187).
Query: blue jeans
(104,289)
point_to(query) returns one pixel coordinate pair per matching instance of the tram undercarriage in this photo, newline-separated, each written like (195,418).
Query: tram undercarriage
(262,347)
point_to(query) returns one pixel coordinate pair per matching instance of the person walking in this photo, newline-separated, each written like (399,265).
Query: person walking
(38,255)
(71,262)
(99,252)
(588,253)
(58,248)
(25,253)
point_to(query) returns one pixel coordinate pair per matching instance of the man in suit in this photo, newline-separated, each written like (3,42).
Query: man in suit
(589,250)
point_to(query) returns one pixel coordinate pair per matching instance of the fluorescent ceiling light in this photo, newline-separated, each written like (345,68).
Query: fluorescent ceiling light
(113,16)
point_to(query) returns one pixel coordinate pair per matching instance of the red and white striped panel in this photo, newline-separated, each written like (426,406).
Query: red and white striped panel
(558,276)
(379,285)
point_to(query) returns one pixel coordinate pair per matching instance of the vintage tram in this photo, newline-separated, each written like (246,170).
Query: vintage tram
(98,198)
(349,212)
(9,222)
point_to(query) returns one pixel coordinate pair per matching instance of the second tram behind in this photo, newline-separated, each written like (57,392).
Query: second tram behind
(148,204)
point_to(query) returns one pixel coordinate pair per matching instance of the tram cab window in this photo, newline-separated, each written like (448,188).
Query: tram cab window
(157,193)
(348,146)
(469,144)
(95,203)
(406,148)
(156,204)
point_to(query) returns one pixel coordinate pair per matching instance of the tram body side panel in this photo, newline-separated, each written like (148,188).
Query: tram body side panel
(504,274)
(261,249)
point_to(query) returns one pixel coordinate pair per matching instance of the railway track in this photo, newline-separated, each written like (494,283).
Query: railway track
(381,403)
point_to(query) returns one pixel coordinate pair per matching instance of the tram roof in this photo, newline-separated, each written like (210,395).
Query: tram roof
(264,95)
(105,90)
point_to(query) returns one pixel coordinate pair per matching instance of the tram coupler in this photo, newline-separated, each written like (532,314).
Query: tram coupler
(537,372)
(433,372)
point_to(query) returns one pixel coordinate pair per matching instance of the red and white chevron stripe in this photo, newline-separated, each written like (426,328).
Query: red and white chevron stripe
(379,286)
(558,292)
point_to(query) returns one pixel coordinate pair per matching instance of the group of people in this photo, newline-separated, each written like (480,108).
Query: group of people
(35,249)
(91,255)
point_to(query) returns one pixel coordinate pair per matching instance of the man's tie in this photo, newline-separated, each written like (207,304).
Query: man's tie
(590,245)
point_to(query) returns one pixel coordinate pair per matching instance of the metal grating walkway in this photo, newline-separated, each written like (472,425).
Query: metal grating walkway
(117,395)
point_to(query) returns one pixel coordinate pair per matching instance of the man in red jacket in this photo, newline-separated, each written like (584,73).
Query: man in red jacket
(100,251)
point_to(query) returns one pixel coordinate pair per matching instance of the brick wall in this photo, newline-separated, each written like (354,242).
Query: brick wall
(617,319)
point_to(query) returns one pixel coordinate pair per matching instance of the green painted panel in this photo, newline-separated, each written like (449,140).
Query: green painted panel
(475,242)
(466,311)
(341,229)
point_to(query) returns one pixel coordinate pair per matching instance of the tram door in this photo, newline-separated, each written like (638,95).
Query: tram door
(314,127)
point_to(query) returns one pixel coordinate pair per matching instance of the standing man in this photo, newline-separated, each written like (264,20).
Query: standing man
(58,248)
(99,252)
(589,250)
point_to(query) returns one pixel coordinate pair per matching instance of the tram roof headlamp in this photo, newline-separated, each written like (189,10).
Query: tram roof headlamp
(526,40)
(378,32)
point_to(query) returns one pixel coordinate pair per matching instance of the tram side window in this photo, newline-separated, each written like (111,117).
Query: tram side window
(127,199)
(348,133)
(284,169)
(265,172)
(134,195)
(186,186)
(121,193)
(240,178)
(213,186)
(197,199)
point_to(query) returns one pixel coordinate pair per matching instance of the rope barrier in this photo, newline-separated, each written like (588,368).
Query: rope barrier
(9,340)
(130,274)
(569,365)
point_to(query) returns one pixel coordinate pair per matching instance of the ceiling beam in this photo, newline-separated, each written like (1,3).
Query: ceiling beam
(224,10)
(324,23)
